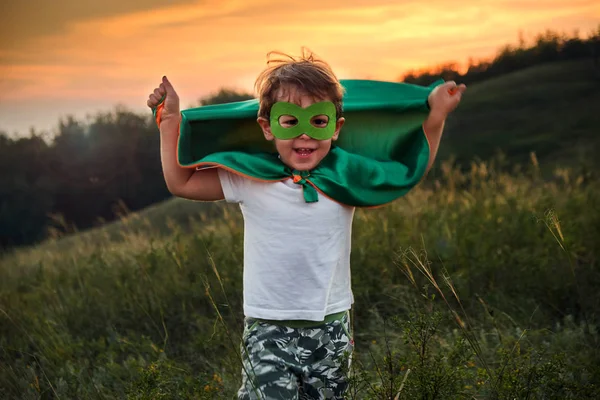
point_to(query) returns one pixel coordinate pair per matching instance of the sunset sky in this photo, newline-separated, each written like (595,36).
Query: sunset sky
(79,56)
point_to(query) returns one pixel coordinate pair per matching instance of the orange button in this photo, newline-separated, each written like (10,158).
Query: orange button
(297,178)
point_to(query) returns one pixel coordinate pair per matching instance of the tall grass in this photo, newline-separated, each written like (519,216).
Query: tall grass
(476,285)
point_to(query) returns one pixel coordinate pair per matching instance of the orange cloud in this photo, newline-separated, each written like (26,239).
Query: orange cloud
(210,44)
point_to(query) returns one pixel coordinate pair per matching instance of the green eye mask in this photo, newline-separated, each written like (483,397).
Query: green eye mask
(303,117)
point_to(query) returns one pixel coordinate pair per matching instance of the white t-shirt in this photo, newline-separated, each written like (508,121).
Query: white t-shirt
(296,254)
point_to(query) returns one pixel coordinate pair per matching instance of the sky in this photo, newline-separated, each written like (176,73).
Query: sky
(81,57)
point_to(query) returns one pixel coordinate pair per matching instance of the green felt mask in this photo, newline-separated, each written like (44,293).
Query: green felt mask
(303,117)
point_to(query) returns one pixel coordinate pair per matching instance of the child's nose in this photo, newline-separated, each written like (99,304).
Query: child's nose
(304,136)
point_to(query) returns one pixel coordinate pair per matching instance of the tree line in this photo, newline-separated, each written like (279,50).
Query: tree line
(546,47)
(92,172)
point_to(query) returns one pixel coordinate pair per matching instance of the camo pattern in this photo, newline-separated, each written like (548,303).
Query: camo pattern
(295,363)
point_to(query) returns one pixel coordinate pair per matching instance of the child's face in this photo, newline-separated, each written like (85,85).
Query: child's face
(301,153)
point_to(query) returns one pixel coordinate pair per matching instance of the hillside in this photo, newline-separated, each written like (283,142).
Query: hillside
(551,109)
(158,313)
(152,223)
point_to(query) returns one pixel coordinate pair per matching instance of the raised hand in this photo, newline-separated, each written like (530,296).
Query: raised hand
(166,96)
(445,98)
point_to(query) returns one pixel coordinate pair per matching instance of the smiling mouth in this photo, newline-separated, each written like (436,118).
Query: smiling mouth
(304,151)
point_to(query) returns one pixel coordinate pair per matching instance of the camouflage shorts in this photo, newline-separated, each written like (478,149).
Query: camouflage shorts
(295,363)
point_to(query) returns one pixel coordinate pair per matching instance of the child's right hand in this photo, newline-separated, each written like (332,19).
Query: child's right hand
(171,100)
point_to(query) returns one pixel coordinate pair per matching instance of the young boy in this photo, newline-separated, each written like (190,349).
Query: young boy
(297,288)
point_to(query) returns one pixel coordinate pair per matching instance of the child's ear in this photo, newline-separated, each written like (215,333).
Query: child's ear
(338,128)
(266,128)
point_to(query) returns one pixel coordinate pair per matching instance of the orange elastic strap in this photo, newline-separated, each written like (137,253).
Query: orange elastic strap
(159,111)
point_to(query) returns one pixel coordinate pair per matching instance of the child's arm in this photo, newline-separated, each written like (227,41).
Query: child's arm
(202,185)
(442,101)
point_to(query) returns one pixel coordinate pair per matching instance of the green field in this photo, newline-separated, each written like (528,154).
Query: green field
(480,284)
(551,109)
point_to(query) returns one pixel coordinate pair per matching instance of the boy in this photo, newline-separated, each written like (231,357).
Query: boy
(297,290)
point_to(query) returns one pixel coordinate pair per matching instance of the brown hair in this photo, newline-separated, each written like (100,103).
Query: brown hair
(311,75)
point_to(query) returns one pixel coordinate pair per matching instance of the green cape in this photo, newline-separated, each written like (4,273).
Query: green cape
(382,151)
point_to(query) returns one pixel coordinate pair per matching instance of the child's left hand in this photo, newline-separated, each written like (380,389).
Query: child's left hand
(445,98)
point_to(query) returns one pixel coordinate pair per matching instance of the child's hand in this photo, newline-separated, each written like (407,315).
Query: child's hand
(445,98)
(171,100)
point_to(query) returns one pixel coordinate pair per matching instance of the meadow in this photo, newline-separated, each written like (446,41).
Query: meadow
(549,108)
(482,283)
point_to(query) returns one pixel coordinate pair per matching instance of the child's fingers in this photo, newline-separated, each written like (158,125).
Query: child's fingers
(449,86)
(153,100)
(158,92)
(457,89)
(167,85)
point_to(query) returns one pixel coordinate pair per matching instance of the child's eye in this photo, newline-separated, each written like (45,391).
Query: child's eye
(320,121)
(287,121)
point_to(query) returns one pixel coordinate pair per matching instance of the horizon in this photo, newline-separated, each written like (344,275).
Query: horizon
(84,59)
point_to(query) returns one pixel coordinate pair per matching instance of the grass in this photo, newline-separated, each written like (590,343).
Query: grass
(479,285)
(549,109)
